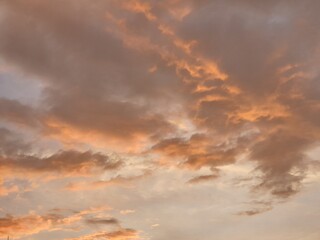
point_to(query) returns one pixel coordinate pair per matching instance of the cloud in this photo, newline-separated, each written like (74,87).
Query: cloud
(200,150)
(123,234)
(124,181)
(203,178)
(257,207)
(189,84)
(56,219)
(127,211)
(271,65)
(18,162)
(281,160)
(16,112)
(102,221)
(64,163)
(6,190)
(112,87)
(33,223)
(10,143)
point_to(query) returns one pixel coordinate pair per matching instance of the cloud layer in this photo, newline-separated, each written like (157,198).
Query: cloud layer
(148,101)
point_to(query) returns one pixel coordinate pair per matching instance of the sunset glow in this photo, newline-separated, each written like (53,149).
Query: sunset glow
(159,120)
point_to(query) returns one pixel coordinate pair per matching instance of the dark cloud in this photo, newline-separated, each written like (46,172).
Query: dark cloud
(253,212)
(243,74)
(10,143)
(123,120)
(281,160)
(89,73)
(202,178)
(257,207)
(63,162)
(269,51)
(16,112)
(15,157)
(102,221)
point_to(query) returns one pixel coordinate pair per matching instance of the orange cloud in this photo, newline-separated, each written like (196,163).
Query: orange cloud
(140,7)
(123,234)
(197,151)
(33,223)
(56,219)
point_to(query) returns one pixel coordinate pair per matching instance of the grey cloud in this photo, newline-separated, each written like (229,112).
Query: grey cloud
(86,69)
(253,42)
(16,157)
(277,156)
(10,143)
(203,178)
(64,163)
(102,221)
(16,112)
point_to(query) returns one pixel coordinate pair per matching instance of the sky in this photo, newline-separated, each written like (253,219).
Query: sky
(159,119)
